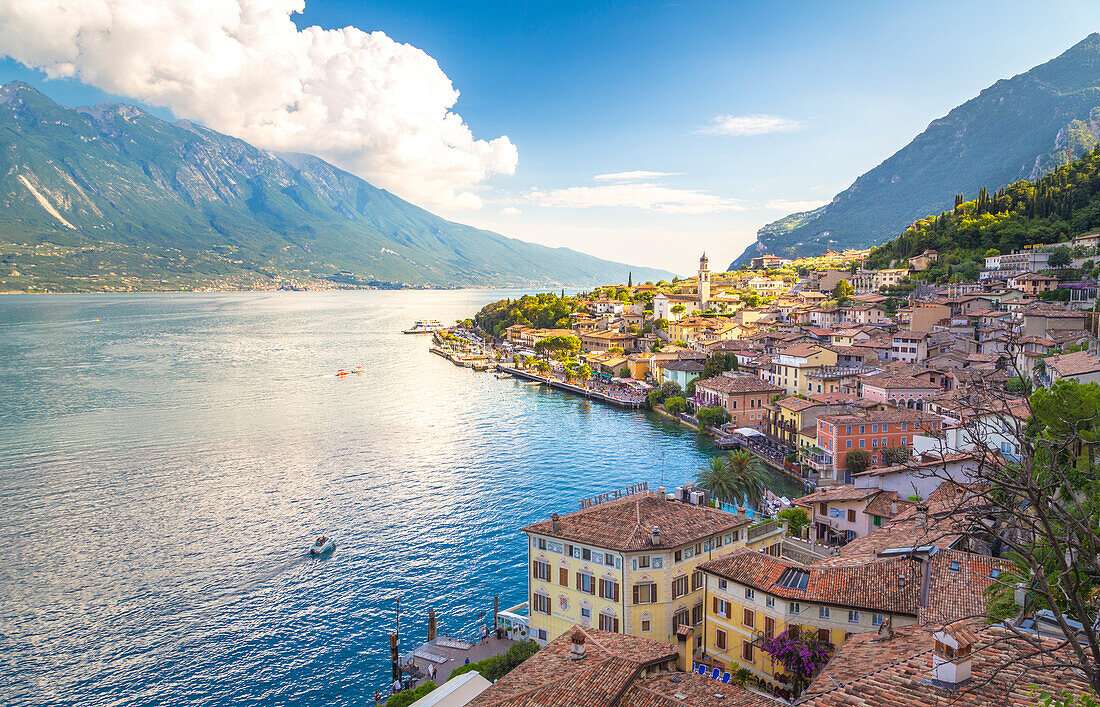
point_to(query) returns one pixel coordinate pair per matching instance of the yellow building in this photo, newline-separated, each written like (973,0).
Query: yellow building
(752,597)
(628,565)
(638,363)
(791,366)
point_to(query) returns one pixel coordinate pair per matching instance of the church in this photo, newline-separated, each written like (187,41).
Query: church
(663,304)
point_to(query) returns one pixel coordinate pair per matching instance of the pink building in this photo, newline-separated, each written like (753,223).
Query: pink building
(899,391)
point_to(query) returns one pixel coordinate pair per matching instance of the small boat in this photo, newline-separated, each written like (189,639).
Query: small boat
(358,370)
(502,374)
(341,373)
(424,326)
(324,544)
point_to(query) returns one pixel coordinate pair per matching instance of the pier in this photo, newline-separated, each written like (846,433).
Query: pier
(578,390)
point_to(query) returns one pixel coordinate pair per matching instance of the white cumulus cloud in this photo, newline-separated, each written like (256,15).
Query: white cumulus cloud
(751,124)
(630,176)
(361,100)
(510,211)
(647,196)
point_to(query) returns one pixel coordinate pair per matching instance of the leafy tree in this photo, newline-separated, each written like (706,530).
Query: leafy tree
(654,398)
(562,344)
(407,697)
(671,389)
(541,311)
(858,461)
(585,373)
(660,324)
(713,416)
(624,372)
(796,520)
(1059,257)
(678,309)
(675,405)
(691,387)
(736,479)
(843,291)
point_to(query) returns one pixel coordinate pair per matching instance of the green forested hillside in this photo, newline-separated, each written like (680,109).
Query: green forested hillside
(1017,128)
(1064,203)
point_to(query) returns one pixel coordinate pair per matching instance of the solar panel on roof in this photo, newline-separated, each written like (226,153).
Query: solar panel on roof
(793,578)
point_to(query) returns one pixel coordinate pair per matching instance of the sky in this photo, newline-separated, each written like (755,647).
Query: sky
(644,132)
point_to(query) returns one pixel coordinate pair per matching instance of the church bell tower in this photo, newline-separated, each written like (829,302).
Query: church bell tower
(704,282)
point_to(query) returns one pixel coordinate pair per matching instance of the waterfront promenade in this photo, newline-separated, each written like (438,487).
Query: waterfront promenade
(619,396)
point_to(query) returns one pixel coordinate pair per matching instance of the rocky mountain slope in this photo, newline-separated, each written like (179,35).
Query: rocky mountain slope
(1018,128)
(111,197)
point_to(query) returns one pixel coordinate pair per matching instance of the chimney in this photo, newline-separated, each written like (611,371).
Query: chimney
(655,537)
(886,630)
(951,654)
(685,644)
(578,645)
(661,490)
(922,516)
(555,526)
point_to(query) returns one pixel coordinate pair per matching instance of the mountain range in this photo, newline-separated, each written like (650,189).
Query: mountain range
(111,197)
(1018,128)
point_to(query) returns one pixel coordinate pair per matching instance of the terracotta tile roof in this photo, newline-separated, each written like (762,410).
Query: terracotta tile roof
(626,524)
(680,689)
(1074,364)
(887,505)
(687,366)
(888,381)
(738,384)
(796,404)
(870,416)
(888,586)
(870,671)
(550,677)
(836,494)
(801,350)
(957,584)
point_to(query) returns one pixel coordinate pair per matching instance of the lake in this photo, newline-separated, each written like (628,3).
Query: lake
(165,461)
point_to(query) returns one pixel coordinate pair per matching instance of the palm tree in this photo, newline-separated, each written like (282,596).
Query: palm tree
(585,373)
(748,476)
(717,478)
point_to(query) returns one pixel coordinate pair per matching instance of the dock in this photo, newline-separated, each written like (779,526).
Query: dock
(569,387)
(446,654)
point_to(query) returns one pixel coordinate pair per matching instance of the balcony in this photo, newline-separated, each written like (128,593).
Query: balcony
(762,529)
(820,461)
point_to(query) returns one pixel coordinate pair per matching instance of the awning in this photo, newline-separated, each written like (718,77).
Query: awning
(748,432)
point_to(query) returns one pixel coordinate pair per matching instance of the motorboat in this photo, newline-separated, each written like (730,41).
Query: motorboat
(358,370)
(341,373)
(322,545)
(424,326)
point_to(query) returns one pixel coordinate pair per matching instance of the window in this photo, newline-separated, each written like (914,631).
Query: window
(609,589)
(884,427)
(540,603)
(678,556)
(722,584)
(862,428)
(746,652)
(769,627)
(679,587)
(770,601)
(542,634)
(853,617)
(586,554)
(586,613)
(586,583)
(876,520)
(609,623)
(568,549)
(954,567)
(848,430)
(848,444)
(885,443)
(720,639)
(749,618)
(876,619)
(540,570)
(563,576)
(874,428)
(823,635)
(824,509)
(874,459)
(645,625)
(874,442)
(645,593)
(718,541)
(542,543)
(721,608)
(851,516)
(903,442)
(861,443)
(696,580)
(749,593)
(697,614)
(823,612)
(681,618)
(795,608)
(609,559)
(995,574)
(643,561)
(904,426)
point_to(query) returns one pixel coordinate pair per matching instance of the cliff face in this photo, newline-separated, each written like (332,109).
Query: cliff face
(125,183)
(1018,128)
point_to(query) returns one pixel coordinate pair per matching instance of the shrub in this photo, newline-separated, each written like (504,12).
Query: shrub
(406,698)
(624,372)
(497,666)
(796,520)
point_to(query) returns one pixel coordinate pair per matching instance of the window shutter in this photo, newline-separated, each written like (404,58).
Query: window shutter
(563,577)
(578,581)
(615,591)
(728,607)
(534,570)
(636,594)
(716,607)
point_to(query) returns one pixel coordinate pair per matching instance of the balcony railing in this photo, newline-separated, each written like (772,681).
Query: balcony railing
(759,531)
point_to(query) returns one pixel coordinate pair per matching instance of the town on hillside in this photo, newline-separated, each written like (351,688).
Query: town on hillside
(903,406)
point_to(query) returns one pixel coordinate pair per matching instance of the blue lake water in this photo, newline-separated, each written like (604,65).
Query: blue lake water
(165,460)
